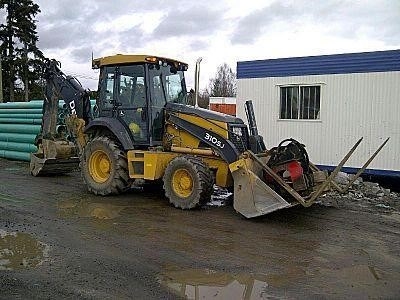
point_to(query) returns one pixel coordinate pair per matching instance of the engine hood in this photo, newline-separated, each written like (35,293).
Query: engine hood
(204,113)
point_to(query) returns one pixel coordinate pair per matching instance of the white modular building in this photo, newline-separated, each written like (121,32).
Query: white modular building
(327,103)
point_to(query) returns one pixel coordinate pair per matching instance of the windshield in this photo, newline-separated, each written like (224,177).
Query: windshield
(168,84)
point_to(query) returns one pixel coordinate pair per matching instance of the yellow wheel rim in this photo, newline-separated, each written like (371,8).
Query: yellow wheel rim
(182,183)
(99,166)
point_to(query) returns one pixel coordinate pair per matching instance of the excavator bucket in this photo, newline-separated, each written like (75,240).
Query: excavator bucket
(252,196)
(40,166)
(54,157)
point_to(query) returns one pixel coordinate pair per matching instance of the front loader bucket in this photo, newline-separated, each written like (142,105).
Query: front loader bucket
(40,166)
(252,197)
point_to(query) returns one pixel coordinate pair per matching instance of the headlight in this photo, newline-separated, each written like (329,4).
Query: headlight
(237,131)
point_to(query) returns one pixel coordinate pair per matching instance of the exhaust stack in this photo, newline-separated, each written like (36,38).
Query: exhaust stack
(256,142)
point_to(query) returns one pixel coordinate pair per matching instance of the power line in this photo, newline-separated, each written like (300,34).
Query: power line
(77,75)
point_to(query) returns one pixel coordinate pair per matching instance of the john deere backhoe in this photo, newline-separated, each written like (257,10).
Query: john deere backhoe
(144,129)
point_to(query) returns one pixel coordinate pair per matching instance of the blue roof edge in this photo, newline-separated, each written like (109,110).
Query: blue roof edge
(362,62)
(374,172)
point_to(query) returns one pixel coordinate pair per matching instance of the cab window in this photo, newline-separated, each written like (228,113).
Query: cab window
(131,90)
(106,87)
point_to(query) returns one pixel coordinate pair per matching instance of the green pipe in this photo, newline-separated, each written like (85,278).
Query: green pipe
(61,103)
(20,121)
(21,116)
(21,105)
(29,108)
(92,101)
(19,128)
(21,147)
(21,111)
(18,138)
(15,155)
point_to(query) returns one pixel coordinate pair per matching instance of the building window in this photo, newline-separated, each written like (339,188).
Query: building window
(300,102)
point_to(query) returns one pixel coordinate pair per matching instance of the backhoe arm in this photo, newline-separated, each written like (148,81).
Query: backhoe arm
(55,152)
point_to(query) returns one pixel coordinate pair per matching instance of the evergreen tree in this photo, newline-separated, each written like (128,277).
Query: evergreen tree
(224,82)
(20,56)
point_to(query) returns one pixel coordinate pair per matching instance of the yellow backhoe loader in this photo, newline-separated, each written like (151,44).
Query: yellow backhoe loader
(145,130)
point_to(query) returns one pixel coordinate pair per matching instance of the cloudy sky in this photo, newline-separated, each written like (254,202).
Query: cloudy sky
(219,31)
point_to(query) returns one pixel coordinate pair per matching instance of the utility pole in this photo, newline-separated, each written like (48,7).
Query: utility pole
(1,82)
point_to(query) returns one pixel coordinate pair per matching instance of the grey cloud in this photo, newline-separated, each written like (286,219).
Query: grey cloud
(131,39)
(194,21)
(198,45)
(379,19)
(250,27)
(62,35)
(82,55)
(92,11)
(69,23)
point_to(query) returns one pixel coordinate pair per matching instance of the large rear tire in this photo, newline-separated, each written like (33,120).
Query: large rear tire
(188,182)
(104,167)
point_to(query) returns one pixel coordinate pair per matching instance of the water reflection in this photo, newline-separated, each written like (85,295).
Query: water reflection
(20,250)
(84,208)
(209,284)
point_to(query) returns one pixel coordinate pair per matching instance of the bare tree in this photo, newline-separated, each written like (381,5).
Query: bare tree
(224,82)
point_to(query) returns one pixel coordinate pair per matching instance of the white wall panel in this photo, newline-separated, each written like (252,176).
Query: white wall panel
(352,106)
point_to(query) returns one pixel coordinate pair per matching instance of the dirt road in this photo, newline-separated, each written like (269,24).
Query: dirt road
(58,241)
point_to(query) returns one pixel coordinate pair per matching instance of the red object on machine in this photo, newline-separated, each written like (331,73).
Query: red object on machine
(295,170)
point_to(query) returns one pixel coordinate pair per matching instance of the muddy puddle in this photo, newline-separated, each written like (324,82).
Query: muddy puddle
(108,208)
(20,250)
(84,208)
(210,284)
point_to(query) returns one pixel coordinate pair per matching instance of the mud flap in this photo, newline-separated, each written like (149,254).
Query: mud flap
(40,166)
(252,197)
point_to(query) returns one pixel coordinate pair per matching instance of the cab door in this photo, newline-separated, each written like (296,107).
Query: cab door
(132,108)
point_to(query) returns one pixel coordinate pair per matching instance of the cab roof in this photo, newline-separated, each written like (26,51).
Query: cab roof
(119,59)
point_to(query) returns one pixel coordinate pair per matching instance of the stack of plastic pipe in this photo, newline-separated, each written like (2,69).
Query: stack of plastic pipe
(19,125)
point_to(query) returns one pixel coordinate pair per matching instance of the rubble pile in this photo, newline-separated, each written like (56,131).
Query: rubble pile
(361,193)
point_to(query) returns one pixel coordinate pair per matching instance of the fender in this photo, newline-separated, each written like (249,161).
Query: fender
(116,127)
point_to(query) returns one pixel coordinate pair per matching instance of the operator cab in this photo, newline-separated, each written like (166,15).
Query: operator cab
(135,90)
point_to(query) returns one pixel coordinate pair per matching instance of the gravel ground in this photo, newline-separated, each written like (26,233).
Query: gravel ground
(57,241)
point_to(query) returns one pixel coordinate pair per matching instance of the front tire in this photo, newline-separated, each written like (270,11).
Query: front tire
(188,182)
(104,167)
